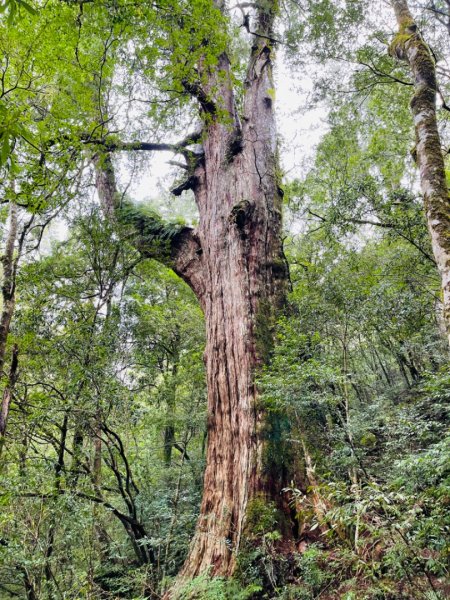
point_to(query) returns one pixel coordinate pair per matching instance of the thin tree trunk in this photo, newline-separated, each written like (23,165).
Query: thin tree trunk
(320,505)
(8,300)
(9,283)
(10,265)
(97,466)
(30,591)
(173,521)
(383,368)
(58,470)
(78,434)
(409,46)
(353,475)
(7,395)
(170,393)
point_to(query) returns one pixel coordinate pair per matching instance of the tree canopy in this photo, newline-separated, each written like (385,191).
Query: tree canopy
(200,399)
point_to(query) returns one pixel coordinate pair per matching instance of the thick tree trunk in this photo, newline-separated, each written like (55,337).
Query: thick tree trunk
(409,46)
(242,288)
(234,263)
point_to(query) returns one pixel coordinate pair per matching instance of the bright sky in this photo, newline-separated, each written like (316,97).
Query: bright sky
(299,129)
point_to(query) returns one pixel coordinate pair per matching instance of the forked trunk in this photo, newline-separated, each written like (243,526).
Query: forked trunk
(241,290)
(234,263)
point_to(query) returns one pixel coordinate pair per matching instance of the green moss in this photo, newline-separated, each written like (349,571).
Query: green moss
(407,26)
(262,517)
(264,330)
(270,93)
(369,440)
(397,46)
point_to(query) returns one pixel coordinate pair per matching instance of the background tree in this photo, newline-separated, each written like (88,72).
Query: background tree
(410,46)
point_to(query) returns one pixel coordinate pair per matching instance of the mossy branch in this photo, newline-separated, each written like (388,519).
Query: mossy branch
(150,234)
(172,244)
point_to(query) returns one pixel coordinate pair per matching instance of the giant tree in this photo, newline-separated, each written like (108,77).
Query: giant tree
(235,265)
(233,260)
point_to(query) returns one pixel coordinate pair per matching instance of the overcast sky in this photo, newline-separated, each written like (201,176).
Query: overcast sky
(299,128)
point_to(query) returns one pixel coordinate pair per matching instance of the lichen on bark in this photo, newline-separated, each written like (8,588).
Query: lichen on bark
(409,46)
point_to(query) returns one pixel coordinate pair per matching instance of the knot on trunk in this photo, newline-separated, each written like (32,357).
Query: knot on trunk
(235,146)
(241,214)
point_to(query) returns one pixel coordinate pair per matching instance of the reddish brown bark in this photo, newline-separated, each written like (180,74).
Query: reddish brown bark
(234,263)
(243,285)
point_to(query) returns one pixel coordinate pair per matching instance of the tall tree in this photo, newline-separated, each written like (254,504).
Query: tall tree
(10,263)
(409,46)
(235,265)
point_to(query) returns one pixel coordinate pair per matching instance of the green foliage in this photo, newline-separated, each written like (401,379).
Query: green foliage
(154,234)
(88,364)
(313,569)
(13,8)
(101,468)
(261,517)
(216,588)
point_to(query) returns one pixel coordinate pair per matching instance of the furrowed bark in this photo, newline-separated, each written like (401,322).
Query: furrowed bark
(239,202)
(234,263)
(409,46)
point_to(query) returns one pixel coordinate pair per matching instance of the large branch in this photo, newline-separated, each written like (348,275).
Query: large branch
(112,144)
(174,245)
(193,157)
(177,147)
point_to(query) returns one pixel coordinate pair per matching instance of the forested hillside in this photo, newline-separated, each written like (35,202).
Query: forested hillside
(224,348)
